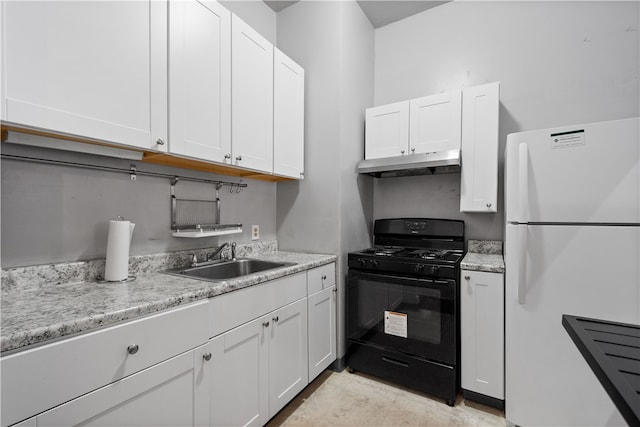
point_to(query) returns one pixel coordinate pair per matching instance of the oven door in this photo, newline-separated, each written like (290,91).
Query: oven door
(410,315)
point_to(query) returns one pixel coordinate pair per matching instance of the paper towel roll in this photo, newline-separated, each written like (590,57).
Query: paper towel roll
(117,264)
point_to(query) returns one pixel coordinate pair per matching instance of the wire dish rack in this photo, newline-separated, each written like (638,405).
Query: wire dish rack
(200,218)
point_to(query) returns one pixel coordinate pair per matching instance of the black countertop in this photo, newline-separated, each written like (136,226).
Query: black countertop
(612,350)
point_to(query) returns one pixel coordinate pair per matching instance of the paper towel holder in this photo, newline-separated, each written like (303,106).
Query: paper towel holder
(197,218)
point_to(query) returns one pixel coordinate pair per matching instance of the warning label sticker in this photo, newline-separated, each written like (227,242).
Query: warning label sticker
(395,323)
(567,139)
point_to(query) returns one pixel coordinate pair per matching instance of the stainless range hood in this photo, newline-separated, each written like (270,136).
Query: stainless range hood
(412,164)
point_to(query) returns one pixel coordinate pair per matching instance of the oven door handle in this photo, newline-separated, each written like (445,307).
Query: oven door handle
(420,282)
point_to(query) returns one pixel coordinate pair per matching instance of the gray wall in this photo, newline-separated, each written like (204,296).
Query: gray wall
(559,63)
(55,214)
(330,210)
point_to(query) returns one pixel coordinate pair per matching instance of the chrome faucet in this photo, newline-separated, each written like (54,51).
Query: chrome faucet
(213,257)
(233,251)
(217,252)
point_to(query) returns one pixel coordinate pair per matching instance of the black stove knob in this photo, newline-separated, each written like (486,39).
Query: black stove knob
(362,262)
(419,268)
(434,270)
(374,262)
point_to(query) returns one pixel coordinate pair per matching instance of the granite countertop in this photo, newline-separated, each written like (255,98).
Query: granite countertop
(39,314)
(483,255)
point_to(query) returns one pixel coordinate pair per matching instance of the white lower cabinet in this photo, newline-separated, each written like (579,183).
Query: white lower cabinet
(39,379)
(321,286)
(171,393)
(482,333)
(269,341)
(239,376)
(259,367)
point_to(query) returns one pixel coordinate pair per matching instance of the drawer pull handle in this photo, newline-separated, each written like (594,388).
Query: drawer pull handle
(395,361)
(133,349)
(265,324)
(335,290)
(467,277)
(206,356)
(275,319)
(324,277)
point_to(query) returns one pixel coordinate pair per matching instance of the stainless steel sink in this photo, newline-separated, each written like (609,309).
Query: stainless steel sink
(228,269)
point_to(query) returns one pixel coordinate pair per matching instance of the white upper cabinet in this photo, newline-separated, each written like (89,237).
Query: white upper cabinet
(200,79)
(252,98)
(479,174)
(95,69)
(288,116)
(387,130)
(421,125)
(434,123)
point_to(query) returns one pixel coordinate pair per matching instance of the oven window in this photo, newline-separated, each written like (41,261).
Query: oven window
(403,314)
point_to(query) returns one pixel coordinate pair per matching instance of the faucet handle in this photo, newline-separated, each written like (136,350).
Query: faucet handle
(233,250)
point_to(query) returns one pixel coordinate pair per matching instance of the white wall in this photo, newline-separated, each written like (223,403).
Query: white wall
(330,210)
(559,63)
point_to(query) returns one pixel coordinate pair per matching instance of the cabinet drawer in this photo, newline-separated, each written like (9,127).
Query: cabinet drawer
(321,278)
(38,379)
(235,308)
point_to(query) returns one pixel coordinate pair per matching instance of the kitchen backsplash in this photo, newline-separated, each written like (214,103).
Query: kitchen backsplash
(485,246)
(39,277)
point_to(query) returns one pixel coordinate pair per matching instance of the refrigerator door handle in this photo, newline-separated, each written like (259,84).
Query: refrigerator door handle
(522,261)
(523,182)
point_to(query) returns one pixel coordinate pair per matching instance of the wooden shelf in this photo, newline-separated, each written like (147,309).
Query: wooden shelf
(154,157)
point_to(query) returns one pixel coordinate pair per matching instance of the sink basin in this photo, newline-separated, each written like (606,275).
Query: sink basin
(228,269)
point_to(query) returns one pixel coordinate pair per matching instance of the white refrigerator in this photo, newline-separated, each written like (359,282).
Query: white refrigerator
(572,239)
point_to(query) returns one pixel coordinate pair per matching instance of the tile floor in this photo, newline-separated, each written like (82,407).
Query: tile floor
(344,399)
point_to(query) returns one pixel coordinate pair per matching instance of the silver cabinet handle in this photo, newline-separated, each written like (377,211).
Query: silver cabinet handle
(401,151)
(206,356)
(265,324)
(160,141)
(324,277)
(239,158)
(302,174)
(275,319)
(467,277)
(488,205)
(335,290)
(133,349)
(413,150)
(227,156)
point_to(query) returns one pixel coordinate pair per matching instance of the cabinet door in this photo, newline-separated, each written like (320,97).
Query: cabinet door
(288,117)
(482,333)
(239,375)
(162,395)
(288,372)
(387,130)
(200,79)
(252,98)
(434,122)
(479,174)
(96,69)
(322,330)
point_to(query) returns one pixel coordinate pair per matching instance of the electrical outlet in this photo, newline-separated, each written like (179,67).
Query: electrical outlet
(255,232)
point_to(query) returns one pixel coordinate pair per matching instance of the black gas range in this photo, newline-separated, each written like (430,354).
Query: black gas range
(403,304)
